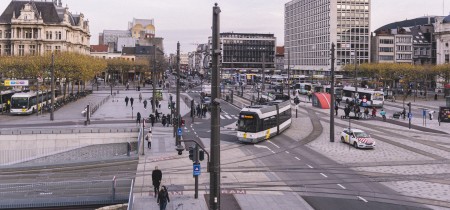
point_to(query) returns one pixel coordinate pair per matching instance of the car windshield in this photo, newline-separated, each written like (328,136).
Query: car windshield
(19,102)
(361,135)
(377,96)
(247,125)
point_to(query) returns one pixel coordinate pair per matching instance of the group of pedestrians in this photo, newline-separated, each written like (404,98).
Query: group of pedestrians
(201,112)
(161,193)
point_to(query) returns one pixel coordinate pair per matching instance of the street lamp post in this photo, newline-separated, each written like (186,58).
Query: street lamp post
(177,139)
(52,86)
(332,94)
(289,75)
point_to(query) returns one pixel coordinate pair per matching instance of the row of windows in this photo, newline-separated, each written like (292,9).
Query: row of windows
(386,49)
(272,121)
(386,41)
(353,7)
(7,34)
(386,57)
(422,51)
(403,39)
(403,56)
(29,50)
(353,15)
(404,48)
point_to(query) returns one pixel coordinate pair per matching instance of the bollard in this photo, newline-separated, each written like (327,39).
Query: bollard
(128,149)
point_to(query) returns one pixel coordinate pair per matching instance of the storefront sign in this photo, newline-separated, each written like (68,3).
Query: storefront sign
(16,83)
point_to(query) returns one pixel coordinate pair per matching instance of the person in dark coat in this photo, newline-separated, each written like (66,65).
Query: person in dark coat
(163,120)
(131,101)
(152,119)
(145,104)
(347,111)
(199,110)
(157,115)
(163,198)
(156,179)
(168,119)
(204,111)
(126,100)
(336,109)
(138,118)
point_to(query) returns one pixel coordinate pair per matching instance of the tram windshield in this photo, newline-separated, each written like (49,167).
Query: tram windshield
(247,124)
(19,102)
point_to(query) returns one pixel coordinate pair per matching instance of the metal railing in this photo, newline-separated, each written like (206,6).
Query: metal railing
(66,131)
(140,140)
(131,196)
(66,193)
(97,106)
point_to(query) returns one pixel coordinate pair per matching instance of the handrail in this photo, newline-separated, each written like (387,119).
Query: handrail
(131,197)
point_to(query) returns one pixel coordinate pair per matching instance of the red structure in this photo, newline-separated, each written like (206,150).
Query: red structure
(321,100)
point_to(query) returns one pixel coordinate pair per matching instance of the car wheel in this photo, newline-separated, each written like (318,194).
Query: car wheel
(355,145)
(342,140)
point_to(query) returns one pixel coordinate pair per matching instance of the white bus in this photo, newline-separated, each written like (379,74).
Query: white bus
(28,103)
(303,88)
(366,97)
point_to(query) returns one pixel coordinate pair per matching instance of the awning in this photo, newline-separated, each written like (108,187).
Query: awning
(321,100)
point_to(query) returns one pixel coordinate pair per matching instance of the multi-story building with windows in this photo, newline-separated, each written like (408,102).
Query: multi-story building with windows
(311,27)
(37,27)
(243,52)
(442,32)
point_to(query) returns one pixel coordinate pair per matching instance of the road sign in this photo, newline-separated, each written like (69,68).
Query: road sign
(196,170)
(180,132)
(410,115)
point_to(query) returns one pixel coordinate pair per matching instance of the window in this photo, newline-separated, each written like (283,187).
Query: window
(48,49)
(32,49)
(7,49)
(57,49)
(58,35)
(8,34)
(21,50)
(28,33)
(48,35)
(1,34)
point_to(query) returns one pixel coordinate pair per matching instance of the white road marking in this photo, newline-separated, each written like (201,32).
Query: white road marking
(265,147)
(324,175)
(195,133)
(309,166)
(235,117)
(221,117)
(341,186)
(297,158)
(49,193)
(287,152)
(227,116)
(274,144)
(361,198)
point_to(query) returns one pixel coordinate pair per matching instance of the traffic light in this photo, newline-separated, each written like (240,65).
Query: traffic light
(168,105)
(201,155)
(191,153)
(409,104)
(182,122)
(296,100)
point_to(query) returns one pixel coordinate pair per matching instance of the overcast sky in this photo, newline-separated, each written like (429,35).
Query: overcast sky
(189,21)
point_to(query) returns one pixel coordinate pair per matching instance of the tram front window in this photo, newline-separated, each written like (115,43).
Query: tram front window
(19,103)
(247,125)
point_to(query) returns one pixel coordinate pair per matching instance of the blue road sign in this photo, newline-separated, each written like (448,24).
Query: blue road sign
(410,115)
(196,170)
(180,132)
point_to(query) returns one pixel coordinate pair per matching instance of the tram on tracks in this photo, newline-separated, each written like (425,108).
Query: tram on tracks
(261,122)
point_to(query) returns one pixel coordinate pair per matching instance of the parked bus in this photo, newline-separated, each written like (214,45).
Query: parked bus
(366,97)
(28,103)
(337,91)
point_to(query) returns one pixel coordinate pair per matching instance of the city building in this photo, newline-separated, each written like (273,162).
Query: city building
(142,28)
(408,41)
(279,59)
(36,27)
(392,46)
(311,27)
(184,62)
(442,33)
(244,52)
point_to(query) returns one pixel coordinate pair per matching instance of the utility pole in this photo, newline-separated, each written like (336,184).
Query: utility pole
(356,76)
(52,86)
(214,195)
(263,71)
(154,80)
(289,74)
(332,95)
(178,122)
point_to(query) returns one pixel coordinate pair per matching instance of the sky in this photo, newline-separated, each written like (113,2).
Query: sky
(190,21)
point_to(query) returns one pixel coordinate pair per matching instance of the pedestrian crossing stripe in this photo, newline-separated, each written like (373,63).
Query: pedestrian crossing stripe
(228,117)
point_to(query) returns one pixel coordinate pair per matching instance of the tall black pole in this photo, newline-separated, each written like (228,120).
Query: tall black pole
(214,199)
(332,103)
(356,76)
(154,80)
(263,72)
(52,86)
(289,75)
(177,139)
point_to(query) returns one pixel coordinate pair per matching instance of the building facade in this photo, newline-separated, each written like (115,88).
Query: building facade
(311,27)
(244,52)
(34,28)
(279,59)
(442,33)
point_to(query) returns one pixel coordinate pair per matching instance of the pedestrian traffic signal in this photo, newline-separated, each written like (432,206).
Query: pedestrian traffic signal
(201,155)
(409,104)
(191,153)
(168,105)
(182,122)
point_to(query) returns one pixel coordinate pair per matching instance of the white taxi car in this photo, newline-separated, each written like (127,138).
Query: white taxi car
(357,138)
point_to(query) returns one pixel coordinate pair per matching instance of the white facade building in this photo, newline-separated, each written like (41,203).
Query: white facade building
(311,26)
(41,27)
(442,34)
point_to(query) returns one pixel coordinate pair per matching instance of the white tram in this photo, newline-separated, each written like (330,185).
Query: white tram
(260,122)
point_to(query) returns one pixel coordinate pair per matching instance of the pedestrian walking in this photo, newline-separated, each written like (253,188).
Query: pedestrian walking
(404,113)
(148,138)
(163,120)
(156,179)
(138,118)
(131,101)
(152,119)
(140,97)
(128,85)
(383,114)
(168,119)
(204,111)
(430,113)
(336,109)
(366,113)
(374,112)
(163,198)
(157,115)
(145,104)
(199,110)
(126,100)
(347,111)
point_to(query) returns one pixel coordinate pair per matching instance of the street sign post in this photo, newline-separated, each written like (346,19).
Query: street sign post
(196,169)
(410,116)
(179,132)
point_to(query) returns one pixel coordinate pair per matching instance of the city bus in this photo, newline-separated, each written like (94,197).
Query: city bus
(303,88)
(337,91)
(5,96)
(28,103)
(366,97)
